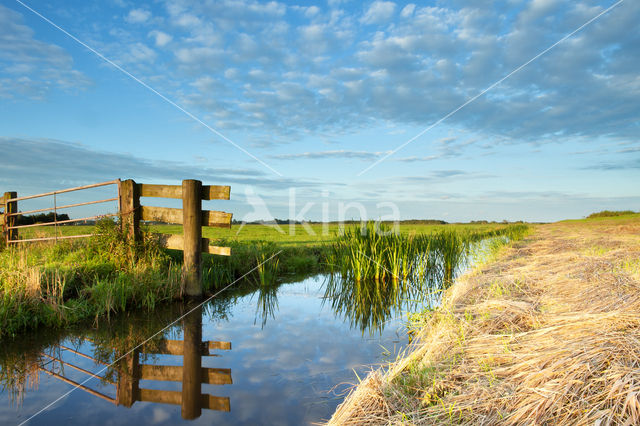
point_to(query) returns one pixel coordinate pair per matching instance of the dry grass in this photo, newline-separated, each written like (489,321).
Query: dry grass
(547,334)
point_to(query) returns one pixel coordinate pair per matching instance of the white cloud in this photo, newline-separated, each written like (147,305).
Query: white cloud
(200,58)
(311,11)
(140,52)
(340,154)
(231,73)
(187,20)
(30,67)
(379,12)
(138,16)
(314,37)
(330,73)
(161,39)
(407,11)
(415,159)
(80,164)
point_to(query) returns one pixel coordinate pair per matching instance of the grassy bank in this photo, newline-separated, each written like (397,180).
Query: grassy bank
(548,333)
(47,285)
(284,235)
(56,285)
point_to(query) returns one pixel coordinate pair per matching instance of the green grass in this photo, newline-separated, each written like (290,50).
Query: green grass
(291,235)
(46,285)
(624,216)
(310,235)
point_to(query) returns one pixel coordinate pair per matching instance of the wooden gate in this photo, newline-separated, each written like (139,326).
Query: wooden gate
(9,202)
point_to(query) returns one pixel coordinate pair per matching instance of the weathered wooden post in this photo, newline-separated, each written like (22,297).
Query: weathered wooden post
(191,216)
(11,207)
(192,227)
(3,218)
(192,365)
(130,208)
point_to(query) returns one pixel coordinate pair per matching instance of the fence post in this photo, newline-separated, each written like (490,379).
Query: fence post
(4,218)
(192,365)
(192,227)
(10,208)
(130,208)
(128,385)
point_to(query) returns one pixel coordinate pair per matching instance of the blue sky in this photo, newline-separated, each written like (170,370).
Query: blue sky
(317,94)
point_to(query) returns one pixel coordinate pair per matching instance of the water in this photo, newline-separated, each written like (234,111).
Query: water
(282,355)
(291,359)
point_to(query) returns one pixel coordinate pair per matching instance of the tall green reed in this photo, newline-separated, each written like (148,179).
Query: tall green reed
(373,252)
(374,270)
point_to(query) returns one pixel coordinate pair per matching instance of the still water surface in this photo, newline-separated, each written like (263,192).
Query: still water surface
(279,356)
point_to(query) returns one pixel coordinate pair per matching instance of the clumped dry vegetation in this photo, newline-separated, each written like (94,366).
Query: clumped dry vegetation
(547,334)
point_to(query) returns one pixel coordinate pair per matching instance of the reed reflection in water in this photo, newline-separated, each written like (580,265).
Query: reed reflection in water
(369,305)
(377,276)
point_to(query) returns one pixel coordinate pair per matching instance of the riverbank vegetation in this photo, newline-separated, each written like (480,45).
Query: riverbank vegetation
(547,333)
(374,252)
(54,285)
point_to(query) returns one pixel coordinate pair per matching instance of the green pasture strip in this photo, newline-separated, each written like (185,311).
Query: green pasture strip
(619,218)
(290,235)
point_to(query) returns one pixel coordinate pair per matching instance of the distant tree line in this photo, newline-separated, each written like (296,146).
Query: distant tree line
(352,221)
(40,218)
(486,222)
(269,222)
(357,222)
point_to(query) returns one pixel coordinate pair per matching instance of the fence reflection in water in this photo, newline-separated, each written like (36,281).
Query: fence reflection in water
(129,371)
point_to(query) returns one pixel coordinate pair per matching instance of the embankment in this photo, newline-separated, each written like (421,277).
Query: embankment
(54,286)
(548,333)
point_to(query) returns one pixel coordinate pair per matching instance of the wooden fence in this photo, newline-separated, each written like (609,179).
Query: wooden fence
(191,217)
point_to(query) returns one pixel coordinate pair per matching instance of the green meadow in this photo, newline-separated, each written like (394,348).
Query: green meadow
(313,234)
(310,234)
